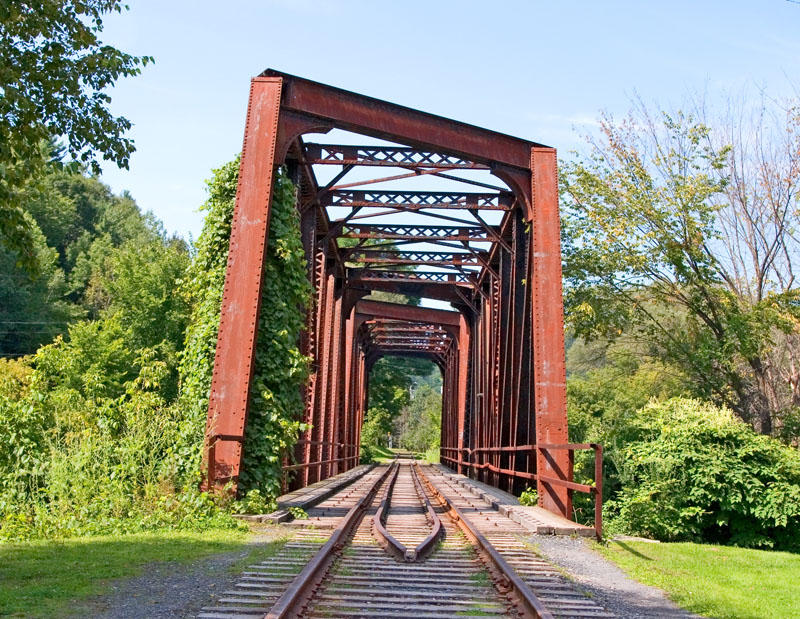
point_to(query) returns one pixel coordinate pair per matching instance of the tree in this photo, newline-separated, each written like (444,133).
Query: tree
(391,380)
(419,425)
(54,72)
(33,310)
(97,254)
(682,238)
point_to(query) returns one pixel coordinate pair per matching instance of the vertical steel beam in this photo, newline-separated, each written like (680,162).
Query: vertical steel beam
(335,413)
(463,377)
(548,330)
(241,297)
(521,461)
(349,383)
(323,373)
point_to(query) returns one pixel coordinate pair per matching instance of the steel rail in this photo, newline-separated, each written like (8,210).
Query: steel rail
(529,603)
(426,546)
(391,543)
(300,590)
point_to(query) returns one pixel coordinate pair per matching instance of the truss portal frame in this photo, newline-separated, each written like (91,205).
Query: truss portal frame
(501,352)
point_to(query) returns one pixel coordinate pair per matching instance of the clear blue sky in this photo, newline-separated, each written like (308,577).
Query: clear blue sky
(539,70)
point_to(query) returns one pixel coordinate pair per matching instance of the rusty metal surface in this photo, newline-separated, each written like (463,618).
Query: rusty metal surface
(381,119)
(550,390)
(491,249)
(241,297)
(417,200)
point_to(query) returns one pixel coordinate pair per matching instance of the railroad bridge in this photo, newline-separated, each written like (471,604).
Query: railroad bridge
(398,200)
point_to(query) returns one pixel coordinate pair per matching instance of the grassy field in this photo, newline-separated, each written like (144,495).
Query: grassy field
(49,578)
(382,454)
(715,581)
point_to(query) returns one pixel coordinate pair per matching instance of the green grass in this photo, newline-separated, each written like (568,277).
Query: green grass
(431,455)
(49,578)
(382,454)
(716,581)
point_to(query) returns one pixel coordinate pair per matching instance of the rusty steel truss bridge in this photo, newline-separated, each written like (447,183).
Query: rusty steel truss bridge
(425,207)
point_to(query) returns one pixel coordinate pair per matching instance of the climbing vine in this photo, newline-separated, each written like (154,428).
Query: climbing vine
(203,287)
(276,404)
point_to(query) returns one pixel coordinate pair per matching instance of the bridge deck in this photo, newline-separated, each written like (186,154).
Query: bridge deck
(533,518)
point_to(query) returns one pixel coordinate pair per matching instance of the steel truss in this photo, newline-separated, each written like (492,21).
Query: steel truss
(497,261)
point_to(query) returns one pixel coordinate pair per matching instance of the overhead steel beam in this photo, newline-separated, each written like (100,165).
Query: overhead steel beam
(396,311)
(396,123)
(428,277)
(418,200)
(421,258)
(416,233)
(340,154)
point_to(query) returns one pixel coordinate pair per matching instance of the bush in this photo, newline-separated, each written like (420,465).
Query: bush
(529,497)
(79,459)
(694,472)
(98,435)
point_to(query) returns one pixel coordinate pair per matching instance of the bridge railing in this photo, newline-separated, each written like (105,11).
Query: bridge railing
(473,457)
(329,453)
(333,450)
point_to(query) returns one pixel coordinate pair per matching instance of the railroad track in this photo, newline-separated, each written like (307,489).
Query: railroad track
(412,544)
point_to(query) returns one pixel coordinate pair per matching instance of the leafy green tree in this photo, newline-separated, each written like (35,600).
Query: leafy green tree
(607,385)
(683,240)
(391,380)
(141,284)
(33,309)
(88,243)
(54,73)
(419,425)
(377,426)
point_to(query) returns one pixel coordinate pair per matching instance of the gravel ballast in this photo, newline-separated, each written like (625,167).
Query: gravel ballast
(604,581)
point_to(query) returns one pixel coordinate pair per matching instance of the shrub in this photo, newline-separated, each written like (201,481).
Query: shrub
(79,460)
(695,472)
(203,288)
(529,497)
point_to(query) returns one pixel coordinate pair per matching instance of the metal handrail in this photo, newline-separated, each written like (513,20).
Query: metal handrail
(595,489)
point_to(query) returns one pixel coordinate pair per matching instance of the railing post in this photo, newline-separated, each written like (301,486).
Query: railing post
(598,485)
(212,453)
(570,477)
